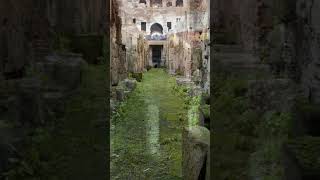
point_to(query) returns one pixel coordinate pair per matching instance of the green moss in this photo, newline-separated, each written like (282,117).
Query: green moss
(205,110)
(266,162)
(61,42)
(146,130)
(231,155)
(137,76)
(244,137)
(229,104)
(61,151)
(272,132)
(307,152)
(193,111)
(275,124)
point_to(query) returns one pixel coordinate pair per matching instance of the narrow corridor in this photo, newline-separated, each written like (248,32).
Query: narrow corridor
(146,131)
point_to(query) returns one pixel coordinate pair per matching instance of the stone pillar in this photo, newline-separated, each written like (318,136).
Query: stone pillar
(150,57)
(162,63)
(188,64)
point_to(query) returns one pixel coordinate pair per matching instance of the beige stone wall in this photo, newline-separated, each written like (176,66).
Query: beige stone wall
(187,41)
(188,51)
(177,55)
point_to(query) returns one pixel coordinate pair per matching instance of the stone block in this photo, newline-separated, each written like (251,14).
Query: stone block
(62,70)
(120,93)
(195,91)
(137,76)
(205,116)
(279,93)
(68,71)
(183,82)
(130,84)
(54,105)
(195,155)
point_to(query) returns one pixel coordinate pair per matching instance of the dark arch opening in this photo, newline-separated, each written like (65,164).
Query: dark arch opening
(154,3)
(179,3)
(156,27)
(5,21)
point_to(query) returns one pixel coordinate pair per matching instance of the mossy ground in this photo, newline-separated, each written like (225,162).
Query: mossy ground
(246,144)
(307,151)
(73,147)
(147,130)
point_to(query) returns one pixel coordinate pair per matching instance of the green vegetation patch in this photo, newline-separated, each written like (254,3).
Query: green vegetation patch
(71,147)
(146,130)
(246,143)
(266,162)
(307,152)
(205,110)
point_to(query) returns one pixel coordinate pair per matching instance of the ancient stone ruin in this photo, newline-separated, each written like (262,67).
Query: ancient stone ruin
(173,36)
(171,89)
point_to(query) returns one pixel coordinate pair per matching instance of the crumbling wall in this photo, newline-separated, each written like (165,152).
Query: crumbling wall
(284,35)
(28,28)
(77,16)
(142,55)
(15,37)
(118,68)
(308,47)
(177,54)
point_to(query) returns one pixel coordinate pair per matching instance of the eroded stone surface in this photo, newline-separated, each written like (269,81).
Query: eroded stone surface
(196,143)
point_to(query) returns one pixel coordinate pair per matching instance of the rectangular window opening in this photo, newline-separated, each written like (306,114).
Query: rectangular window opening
(143,26)
(169,25)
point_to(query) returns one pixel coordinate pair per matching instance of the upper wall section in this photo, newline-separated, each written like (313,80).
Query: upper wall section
(77,16)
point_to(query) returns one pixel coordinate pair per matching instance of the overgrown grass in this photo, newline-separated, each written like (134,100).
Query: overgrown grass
(192,104)
(232,127)
(246,144)
(273,132)
(72,149)
(146,130)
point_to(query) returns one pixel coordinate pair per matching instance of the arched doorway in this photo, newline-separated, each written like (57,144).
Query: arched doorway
(156,28)
(156,51)
(156,33)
